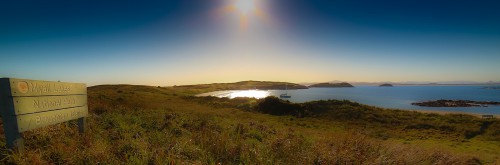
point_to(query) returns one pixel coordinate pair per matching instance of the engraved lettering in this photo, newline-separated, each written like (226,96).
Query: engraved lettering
(32,87)
(38,120)
(45,87)
(36,103)
(56,102)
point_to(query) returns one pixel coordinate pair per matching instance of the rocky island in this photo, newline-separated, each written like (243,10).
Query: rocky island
(331,85)
(456,103)
(386,85)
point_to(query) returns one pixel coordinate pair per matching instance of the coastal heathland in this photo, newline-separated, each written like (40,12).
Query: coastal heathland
(169,125)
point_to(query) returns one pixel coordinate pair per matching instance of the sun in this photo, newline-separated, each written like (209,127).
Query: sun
(245,7)
(245,10)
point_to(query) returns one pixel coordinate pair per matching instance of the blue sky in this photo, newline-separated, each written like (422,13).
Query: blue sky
(204,41)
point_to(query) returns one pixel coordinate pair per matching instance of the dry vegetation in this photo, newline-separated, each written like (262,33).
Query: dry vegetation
(154,125)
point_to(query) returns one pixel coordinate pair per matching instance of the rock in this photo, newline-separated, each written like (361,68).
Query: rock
(456,103)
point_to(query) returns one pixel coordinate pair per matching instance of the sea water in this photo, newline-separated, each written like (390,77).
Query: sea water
(397,97)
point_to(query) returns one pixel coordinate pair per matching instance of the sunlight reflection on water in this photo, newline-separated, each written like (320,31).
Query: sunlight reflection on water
(239,93)
(399,97)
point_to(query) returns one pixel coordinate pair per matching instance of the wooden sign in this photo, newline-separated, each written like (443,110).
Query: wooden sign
(29,104)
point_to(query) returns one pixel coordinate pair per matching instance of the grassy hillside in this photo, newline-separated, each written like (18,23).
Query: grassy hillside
(155,125)
(243,85)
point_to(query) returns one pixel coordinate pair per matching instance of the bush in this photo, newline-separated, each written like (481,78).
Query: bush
(275,106)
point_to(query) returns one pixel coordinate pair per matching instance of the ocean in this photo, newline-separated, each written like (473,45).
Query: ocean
(397,97)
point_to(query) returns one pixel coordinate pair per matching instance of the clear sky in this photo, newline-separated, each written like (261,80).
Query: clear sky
(165,42)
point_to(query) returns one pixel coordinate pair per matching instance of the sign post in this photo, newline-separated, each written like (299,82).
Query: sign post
(30,104)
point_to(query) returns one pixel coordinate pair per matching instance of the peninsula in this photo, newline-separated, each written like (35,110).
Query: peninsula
(242,85)
(386,85)
(331,85)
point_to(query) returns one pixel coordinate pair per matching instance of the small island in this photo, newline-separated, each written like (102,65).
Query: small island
(331,85)
(456,103)
(386,85)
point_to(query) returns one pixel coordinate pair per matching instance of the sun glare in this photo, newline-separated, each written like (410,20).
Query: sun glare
(245,9)
(245,6)
(249,93)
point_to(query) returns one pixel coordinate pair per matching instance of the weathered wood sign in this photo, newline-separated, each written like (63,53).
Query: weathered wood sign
(29,104)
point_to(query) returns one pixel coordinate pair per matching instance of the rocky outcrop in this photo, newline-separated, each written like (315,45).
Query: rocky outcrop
(498,88)
(455,103)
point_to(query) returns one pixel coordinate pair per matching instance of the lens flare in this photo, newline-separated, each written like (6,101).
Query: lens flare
(245,6)
(245,10)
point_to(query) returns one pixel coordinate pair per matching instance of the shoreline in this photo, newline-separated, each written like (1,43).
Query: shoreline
(442,112)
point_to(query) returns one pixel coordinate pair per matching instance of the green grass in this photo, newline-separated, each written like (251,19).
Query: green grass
(142,124)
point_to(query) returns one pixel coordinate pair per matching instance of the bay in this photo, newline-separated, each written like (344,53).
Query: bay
(397,97)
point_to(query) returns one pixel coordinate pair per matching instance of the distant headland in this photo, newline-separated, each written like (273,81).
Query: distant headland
(244,85)
(331,85)
(386,85)
(489,84)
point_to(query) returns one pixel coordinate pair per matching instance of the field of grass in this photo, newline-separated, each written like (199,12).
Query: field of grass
(167,125)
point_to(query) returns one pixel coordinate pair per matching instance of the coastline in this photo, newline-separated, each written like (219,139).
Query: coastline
(449,112)
(416,110)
